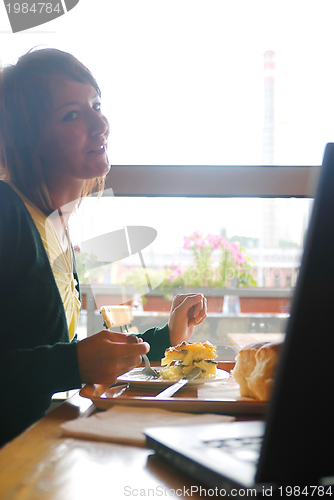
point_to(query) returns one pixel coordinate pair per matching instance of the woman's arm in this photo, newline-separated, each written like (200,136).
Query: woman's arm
(106,355)
(159,341)
(42,370)
(28,378)
(187,311)
(36,358)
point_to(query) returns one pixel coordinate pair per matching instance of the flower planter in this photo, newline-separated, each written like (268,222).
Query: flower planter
(159,303)
(248,305)
(252,300)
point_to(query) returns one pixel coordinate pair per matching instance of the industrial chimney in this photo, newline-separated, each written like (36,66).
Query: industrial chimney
(269,108)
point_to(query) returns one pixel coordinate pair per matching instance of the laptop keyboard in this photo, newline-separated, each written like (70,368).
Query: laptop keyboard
(246,449)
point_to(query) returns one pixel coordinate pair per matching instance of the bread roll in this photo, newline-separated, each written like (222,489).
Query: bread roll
(255,369)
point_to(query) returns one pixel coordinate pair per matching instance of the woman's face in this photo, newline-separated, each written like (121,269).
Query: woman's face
(74,139)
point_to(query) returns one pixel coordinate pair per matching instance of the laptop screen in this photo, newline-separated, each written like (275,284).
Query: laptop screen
(299,436)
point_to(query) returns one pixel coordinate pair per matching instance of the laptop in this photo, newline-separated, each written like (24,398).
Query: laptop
(295,444)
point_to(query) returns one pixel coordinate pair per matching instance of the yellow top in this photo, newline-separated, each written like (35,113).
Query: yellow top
(61,263)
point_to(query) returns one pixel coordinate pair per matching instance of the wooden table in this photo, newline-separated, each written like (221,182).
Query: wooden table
(40,464)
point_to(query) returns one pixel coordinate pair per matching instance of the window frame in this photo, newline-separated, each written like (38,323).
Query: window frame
(213,181)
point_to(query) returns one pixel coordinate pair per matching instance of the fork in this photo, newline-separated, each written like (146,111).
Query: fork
(148,371)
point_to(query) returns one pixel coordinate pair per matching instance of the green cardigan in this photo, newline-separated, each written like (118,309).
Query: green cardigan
(37,358)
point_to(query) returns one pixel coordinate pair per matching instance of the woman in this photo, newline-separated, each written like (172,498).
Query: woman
(53,150)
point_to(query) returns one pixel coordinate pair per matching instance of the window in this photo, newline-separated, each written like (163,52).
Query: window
(270,232)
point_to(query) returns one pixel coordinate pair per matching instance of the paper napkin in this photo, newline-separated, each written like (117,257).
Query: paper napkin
(122,424)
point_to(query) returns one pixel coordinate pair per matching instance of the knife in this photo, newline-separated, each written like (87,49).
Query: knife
(172,389)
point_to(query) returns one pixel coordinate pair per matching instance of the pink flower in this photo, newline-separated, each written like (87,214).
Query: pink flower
(240,258)
(221,242)
(197,234)
(212,240)
(200,243)
(234,247)
(186,243)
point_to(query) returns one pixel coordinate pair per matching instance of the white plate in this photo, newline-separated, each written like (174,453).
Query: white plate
(136,378)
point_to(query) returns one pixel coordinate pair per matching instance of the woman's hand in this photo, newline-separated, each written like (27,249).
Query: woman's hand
(106,355)
(186,312)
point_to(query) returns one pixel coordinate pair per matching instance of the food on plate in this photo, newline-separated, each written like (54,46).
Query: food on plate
(182,358)
(255,369)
